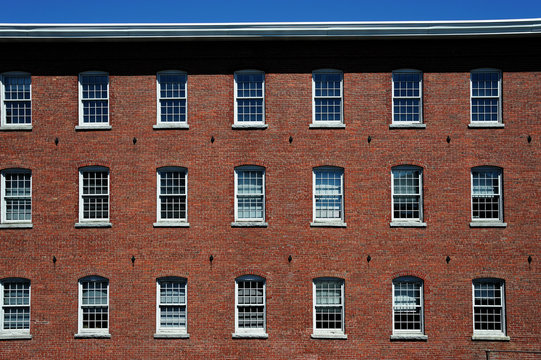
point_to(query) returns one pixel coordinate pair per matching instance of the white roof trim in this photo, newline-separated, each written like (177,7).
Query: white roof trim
(229,31)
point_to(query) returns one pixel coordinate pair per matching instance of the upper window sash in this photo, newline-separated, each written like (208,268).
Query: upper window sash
(91,297)
(407,193)
(486,96)
(486,194)
(93,99)
(172,194)
(16,99)
(328,194)
(172,97)
(488,302)
(250,193)
(15,306)
(407,89)
(16,196)
(171,305)
(249,97)
(94,193)
(326,301)
(408,304)
(327,96)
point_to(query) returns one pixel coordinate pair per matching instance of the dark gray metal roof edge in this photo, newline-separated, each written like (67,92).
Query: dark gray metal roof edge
(230,31)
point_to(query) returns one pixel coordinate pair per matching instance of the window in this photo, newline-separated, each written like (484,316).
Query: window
(172,198)
(488,308)
(16,193)
(94,99)
(407,97)
(172,99)
(16,101)
(94,306)
(250,305)
(250,194)
(407,196)
(408,307)
(15,311)
(328,185)
(94,195)
(486,85)
(171,307)
(328,294)
(327,95)
(249,98)
(486,200)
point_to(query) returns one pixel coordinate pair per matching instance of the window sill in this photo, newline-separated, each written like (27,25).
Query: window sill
(171,126)
(409,337)
(12,336)
(16,226)
(417,224)
(92,336)
(329,336)
(339,224)
(327,126)
(16,127)
(249,224)
(80,225)
(171,224)
(487,224)
(171,336)
(90,128)
(249,126)
(407,126)
(486,126)
(490,338)
(250,336)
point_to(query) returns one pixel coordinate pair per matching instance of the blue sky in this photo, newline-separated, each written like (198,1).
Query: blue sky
(190,11)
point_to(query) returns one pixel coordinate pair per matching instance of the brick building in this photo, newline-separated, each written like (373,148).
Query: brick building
(270,191)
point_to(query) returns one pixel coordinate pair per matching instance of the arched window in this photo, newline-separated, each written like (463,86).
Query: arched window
(488,308)
(328,308)
(328,196)
(407,195)
(15,310)
(94,196)
(250,306)
(250,194)
(486,195)
(486,97)
(408,317)
(94,100)
(172,197)
(249,98)
(94,306)
(16,98)
(16,198)
(327,93)
(407,97)
(172,97)
(171,307)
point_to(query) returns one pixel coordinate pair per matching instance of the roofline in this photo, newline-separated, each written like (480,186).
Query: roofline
(276,30)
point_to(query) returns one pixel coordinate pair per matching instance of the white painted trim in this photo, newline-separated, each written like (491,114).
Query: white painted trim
(98,333)
(3,125)
(13,223)
(326,333)
(488,222)
(498,123)
(170,222)
(245,124)
(495,335)
(328,123)
(93,126)
(409,334)
(95,222)
(399,222)
(250,221)
(7,334)
(250,333)
(167,124)
(337,222)
(177,332)
(405,124)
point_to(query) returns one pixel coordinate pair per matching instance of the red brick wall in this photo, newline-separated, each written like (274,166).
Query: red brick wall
(339,252)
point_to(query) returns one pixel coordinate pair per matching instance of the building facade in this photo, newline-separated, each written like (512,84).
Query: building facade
(270,191)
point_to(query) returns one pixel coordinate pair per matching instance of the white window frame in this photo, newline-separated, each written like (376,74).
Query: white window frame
(328,221)
(251,332)
(499,97)
(248,124)
(102,332)
(181,222)
(3,206)
(249,220)
(328,123)
(400,333)
(490,334)
(97,222)
(171,124)
(408,221)
(488,221)
(328,333)
(420,97)
(101,125)
(3,124)
(15,333)
(171,332)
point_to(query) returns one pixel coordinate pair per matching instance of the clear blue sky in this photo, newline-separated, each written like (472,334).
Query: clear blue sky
(190,11)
